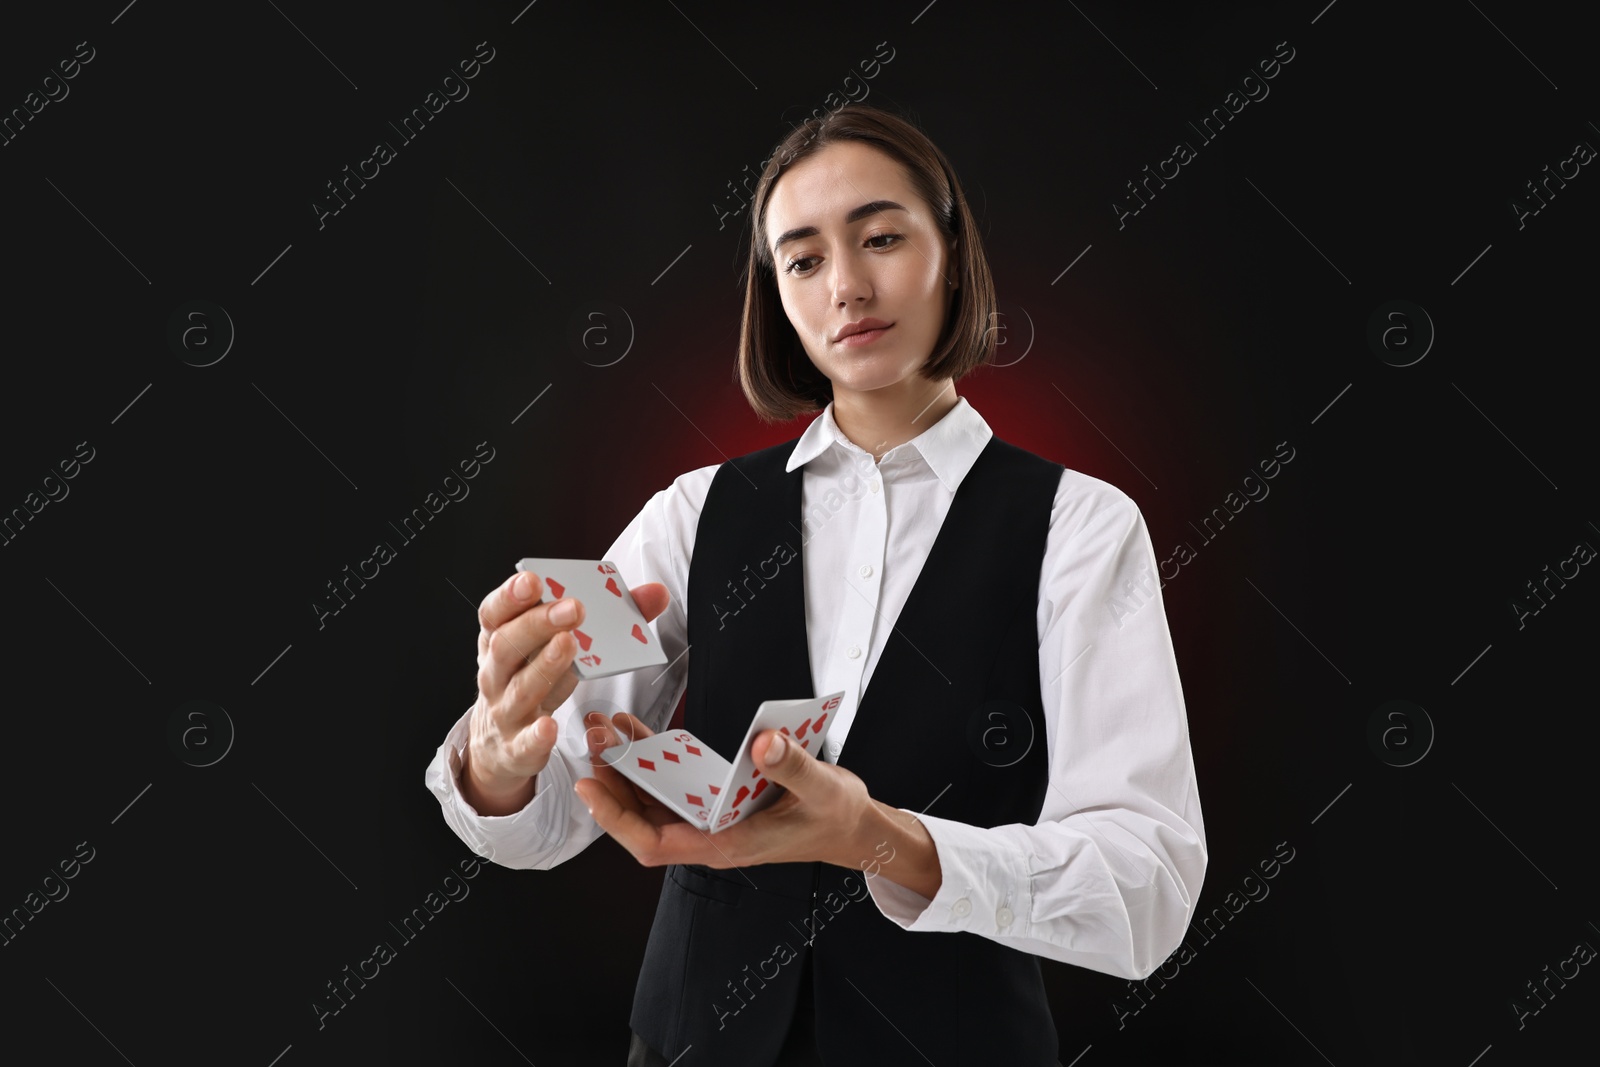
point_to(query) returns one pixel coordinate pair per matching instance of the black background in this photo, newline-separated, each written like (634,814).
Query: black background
(375,352)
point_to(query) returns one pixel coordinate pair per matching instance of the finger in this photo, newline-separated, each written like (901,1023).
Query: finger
(520,643)
(620,736)
(516,594)
(599,736)
(533,743)
(620,731)
(652,599)
(761,750)
(526,694)
(566,678)
(785,762)
(509,610)
(632,727)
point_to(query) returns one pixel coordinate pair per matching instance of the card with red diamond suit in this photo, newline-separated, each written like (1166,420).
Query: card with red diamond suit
(679,770)
(806,722)
(676,768)
(613,637)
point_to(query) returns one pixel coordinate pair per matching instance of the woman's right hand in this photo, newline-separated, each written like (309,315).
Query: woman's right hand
(525,672)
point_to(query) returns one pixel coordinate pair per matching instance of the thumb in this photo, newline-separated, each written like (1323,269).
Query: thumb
(785,762)
(652,598)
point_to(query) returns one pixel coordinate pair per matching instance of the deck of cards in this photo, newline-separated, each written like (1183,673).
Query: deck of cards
(614,637)
(680,771)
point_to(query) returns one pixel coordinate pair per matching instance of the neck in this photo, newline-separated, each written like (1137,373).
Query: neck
(877,423)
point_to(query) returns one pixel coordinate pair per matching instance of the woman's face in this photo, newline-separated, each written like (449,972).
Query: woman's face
(852,240)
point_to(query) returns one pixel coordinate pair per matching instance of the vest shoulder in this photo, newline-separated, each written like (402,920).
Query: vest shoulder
(1072,485)
(763,462)
(1021,457)
(778,453)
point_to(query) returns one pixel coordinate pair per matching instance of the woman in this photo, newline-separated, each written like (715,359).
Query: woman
(1016,776)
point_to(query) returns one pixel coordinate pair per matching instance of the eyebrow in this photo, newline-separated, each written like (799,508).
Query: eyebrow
(855,213)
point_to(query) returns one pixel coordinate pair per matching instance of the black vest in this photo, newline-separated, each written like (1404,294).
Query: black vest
(959,726)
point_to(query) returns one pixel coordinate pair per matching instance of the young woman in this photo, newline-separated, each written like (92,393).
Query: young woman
(1009,774)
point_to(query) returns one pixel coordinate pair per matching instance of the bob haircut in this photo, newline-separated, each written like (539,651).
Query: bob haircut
(777,376)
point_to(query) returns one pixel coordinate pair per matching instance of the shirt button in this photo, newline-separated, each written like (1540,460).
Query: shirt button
(866,571)
(855,650)
(961,908)
(1003,917)
(872,486)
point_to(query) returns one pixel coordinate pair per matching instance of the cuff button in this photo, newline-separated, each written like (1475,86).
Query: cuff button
(1003,917)
(961,908)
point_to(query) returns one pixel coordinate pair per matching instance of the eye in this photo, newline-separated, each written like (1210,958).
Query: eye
(792,267)
(789,268)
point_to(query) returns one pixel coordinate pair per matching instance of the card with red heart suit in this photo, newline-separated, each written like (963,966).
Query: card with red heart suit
(679,770)
(613,637)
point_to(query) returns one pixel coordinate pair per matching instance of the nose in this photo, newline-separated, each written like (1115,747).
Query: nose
(850,281)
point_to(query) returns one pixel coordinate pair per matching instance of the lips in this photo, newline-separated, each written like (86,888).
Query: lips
(861,326)
(862,337)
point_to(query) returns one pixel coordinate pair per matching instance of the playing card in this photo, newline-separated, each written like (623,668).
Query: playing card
(679,770)
(676,768)
(614,637)
(806,722)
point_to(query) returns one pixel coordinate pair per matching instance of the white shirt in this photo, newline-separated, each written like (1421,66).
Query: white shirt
(1108,876)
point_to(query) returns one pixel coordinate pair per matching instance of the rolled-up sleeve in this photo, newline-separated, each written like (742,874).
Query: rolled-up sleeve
(1108,877)
(553,826)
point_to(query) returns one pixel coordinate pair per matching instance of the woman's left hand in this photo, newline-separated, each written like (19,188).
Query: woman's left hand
(822,813)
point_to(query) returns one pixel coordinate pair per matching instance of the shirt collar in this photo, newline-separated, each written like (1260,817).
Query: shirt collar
(949,447)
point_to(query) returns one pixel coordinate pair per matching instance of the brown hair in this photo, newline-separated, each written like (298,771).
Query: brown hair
(777,376)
